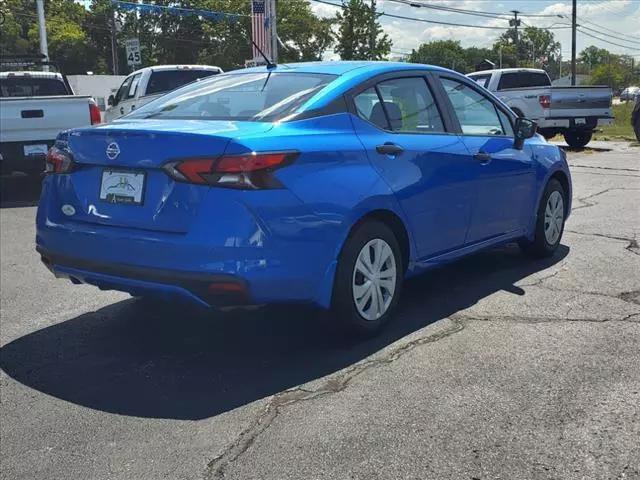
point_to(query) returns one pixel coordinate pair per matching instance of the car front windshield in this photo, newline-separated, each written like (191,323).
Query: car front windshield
(259,97)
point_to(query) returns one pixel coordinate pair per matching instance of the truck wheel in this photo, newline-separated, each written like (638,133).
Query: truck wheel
(577,138)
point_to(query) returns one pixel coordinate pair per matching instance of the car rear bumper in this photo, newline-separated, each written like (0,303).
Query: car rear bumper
(203,289)
(273,250)
(588,123)
(13,158)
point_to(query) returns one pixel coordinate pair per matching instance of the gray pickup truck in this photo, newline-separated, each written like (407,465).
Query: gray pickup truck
(574,112)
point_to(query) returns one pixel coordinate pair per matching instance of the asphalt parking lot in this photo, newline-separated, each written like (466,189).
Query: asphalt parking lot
(497,367)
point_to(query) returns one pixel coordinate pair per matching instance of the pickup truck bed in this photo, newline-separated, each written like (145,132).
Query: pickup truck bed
(30,122)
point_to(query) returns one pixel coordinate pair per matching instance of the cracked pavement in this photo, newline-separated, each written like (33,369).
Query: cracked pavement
(497,367)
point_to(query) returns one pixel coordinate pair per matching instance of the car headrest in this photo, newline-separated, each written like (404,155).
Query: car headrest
(377,116)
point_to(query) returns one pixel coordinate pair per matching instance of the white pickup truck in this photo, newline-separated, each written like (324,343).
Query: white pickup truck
(574,112)
(149,83)
(34,108)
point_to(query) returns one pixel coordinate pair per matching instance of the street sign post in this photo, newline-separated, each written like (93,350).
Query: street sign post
(132,46)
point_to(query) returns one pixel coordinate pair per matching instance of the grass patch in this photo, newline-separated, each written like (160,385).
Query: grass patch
(621,128)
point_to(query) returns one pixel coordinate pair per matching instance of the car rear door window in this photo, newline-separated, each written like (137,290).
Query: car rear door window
(476,113)
(407,106)
(368,107)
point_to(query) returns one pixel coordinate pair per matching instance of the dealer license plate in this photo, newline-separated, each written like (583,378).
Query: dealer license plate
(120,186)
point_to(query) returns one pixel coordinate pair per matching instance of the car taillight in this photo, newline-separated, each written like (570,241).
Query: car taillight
(247,171)
(58,161)
(545,101)
(94,113)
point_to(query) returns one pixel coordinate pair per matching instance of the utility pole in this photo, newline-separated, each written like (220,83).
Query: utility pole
(274,31)
(42,27)
(515,23)
(573,42)
(114,44)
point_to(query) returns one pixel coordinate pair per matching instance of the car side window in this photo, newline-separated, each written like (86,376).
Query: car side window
(410,106)
(476,113)
(122,91)
(482,80)
(134,86)
(368,107)
(507,126)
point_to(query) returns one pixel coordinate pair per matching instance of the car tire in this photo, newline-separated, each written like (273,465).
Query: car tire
(550,218)
(577,138)
(353,304)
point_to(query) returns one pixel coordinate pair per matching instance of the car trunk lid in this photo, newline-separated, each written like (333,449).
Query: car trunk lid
(120,180)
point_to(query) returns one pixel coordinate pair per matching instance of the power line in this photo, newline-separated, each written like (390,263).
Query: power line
(504,16)
(584,20)
(608,41)
(422,20)
(441,8)
(610,35)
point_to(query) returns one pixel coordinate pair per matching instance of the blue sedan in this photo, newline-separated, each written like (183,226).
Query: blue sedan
(327,183)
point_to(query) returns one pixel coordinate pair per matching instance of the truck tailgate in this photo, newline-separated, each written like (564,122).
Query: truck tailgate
(580,102)
(25,119)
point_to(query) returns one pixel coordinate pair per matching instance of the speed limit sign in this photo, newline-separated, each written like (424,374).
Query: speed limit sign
(132,46)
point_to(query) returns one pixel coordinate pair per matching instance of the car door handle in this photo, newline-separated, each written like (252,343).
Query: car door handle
(389,149)
(482,157)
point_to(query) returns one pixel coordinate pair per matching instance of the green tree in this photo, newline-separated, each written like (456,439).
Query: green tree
(360,35)
(535,47)
(444,53)
(593,56)
(306,37)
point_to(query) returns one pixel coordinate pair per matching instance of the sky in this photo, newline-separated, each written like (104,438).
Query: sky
(618,20)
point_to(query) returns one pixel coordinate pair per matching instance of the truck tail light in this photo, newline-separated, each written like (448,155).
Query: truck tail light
(545,101)
(250,171)
(58,161)
(94,112)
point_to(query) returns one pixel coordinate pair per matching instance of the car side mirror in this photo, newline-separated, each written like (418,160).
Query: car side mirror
(111,100)
(524,129)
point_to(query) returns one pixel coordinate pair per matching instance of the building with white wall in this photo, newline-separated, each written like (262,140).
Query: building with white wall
(97,86)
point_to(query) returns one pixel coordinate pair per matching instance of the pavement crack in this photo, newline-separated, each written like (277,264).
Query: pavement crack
(217,467)
(597,194)
(633,246)
(519,319)
(605,168)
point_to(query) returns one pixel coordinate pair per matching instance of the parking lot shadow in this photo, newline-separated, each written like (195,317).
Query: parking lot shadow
(126,360)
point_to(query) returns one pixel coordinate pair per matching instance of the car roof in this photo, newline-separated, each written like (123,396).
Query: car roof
(339,67)
(349,74)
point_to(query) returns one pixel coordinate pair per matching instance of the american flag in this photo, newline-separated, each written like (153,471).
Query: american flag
(260,28)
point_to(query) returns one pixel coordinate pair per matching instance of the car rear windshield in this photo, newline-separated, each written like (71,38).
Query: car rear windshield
(523,80)
(31,87)
(167,80)
(260,97)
